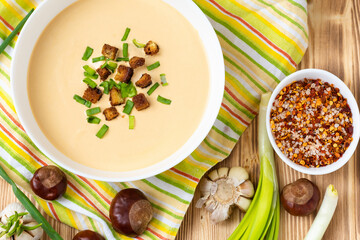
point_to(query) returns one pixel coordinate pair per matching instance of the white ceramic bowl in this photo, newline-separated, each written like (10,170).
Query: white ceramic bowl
(26,42)
(344,90)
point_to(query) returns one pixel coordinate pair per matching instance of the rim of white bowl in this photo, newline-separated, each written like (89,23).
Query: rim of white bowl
(44,13)
(345,91)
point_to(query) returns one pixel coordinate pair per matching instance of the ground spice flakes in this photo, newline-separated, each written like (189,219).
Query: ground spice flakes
(311,123)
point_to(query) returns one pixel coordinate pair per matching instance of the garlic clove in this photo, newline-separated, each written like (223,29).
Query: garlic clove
(23,236)
(200,202)
(27,219)
(214,175)
(246,189)
(36,233)
(211,204)
(243,203)
(10,210)
(205,187)
(223,172)
(220,214)
(238,174)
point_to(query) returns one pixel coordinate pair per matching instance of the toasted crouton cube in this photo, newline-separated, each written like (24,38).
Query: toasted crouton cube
(124,74)
(110,113)
(144,81)
(92,94)
(151,48)
(109,51)
(140,102)
(104,73)
(115,97)
(136,62)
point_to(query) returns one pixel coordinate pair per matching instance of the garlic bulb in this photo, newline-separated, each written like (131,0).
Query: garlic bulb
(17,224)
(224,189)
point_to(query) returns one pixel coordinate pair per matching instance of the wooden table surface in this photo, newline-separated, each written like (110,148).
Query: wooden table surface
(334,45)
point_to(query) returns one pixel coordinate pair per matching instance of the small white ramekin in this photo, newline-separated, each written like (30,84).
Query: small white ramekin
(345,91)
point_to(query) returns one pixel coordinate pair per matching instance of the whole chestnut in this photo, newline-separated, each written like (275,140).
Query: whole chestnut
(130,212)
(49,182)
(300,198)
(88,235)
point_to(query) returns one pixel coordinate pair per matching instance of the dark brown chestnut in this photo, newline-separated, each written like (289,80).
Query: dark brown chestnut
(49,182)
(130,212)
(88,235)
(301,197)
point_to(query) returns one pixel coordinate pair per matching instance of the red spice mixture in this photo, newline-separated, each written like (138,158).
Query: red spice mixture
(311,123)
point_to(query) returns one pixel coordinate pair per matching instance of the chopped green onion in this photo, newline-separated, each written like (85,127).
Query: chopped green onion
(100,134)
(95,76)
(163,100)
(105,85)
(131,122)
(125,50)
(17,29)
(93,111)
(128,90)
(89,70)
(153,66)
(163,79)
(90,82)
(137,44)
(112,84)
(153,88)
(126,34)
(87,54)
(93,120)
(98,59)
(122,59)
(105,63)
(29,206)
(111,66)
(128,107)
(82,101)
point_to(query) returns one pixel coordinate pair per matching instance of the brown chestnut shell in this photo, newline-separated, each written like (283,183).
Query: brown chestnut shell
(88,235)
(49,182)
(130,212)
(300,198)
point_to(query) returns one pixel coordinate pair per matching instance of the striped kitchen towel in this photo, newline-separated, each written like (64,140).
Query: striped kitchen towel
(262,42)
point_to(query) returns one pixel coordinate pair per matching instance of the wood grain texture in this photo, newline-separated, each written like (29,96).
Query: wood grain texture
(334,45)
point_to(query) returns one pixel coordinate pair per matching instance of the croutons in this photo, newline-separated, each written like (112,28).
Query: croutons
(110,113)
(115,97)
(124,74)
(136,62)
(104,73)
(151,48)
(144,81)
(92,94)
(109,51)
(140,102)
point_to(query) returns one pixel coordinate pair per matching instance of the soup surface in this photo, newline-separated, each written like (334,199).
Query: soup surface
(55,74)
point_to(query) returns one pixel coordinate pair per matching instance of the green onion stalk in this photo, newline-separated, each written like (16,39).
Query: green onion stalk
(261,221)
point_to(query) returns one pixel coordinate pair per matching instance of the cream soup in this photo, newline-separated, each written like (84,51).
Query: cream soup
(55,74)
